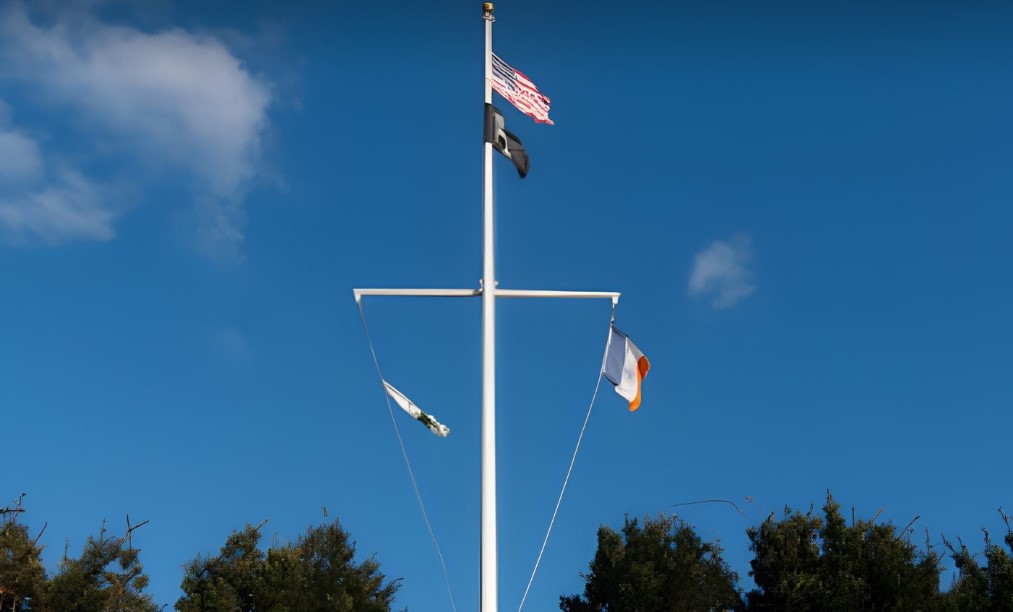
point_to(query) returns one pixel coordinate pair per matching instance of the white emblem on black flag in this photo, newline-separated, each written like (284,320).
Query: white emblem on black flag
(504,141)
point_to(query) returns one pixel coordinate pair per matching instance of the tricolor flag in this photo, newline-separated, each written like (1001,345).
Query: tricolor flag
(520,91)
(625,367)
(408,406)
(505,142)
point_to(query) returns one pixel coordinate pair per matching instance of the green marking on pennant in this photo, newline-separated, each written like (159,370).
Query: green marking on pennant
(427,420)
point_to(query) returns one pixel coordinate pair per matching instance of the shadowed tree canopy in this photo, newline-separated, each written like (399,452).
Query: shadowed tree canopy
(658,567)
(989,587)
(107,576)
(802,561)
(316,573)
(22,576)
(807,562)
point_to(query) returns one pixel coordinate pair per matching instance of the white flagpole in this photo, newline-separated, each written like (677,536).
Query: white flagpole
(488,291)
(490,571)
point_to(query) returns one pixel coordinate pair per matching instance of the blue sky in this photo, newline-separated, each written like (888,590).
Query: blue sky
(806,207)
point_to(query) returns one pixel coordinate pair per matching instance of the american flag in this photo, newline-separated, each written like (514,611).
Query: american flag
(520,91)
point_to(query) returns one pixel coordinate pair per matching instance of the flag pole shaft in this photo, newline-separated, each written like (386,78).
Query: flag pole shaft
(489,571)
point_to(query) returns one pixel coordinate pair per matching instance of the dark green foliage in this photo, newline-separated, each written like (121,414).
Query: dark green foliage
(662,566)
(22,576)
(807,562)
(316,573)
(989,587)
(228,581)
(803,561)
(786,555)
(107,576)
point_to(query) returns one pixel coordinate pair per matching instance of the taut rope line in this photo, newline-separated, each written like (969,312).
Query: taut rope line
(404,453)
(573,459)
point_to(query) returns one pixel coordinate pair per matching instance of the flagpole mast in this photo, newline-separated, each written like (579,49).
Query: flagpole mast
(489,571)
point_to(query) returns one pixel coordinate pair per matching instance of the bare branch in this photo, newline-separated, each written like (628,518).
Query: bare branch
(908,526)
(129,536)
(31,547)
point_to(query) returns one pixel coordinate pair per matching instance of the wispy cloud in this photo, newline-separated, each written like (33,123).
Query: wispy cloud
(232,344)
(34,207)
(721,272)
(20,160)
(67,208)
(172,101)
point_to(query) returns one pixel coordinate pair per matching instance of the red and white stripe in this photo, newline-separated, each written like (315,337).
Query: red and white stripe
(520,91)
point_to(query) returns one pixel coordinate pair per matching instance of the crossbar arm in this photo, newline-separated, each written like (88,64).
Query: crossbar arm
(504,293)
(540,293)
(418,292)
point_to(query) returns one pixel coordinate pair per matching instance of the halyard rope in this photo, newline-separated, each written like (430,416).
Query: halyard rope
(573,459)
(404,453)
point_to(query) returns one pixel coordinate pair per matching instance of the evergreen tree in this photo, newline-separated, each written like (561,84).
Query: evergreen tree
(662,566)
(22,576)
(229,581)
(785,557)
(807,562)
(316,573)
(989,587)
(107,576)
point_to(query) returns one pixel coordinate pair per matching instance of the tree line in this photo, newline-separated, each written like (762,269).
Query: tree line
(317,572)
(812,560)
(802,561)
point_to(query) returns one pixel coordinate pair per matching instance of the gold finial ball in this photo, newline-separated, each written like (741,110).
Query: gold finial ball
(487,8)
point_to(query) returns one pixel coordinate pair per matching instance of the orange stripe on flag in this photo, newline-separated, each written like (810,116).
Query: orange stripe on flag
(625,367)
(642,368)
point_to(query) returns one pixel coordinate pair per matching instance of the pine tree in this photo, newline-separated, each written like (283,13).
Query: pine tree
(316,573)
(989,587)
(807,562)
(107,576)
(22,576)
(662,566)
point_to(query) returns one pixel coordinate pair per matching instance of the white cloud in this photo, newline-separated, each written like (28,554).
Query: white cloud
(219,235)
(69,208)
(20,161)
(172,100)
(66,207)
(721,272)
